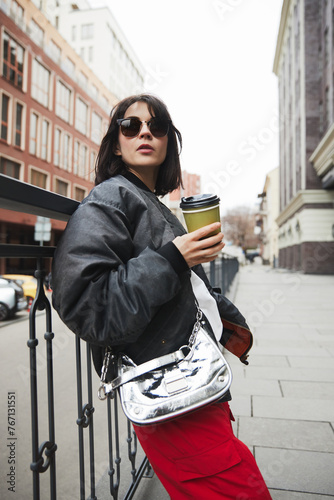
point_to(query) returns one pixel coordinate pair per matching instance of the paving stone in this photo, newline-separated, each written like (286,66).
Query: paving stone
(292,342)
(258,360)
(317,390)
(278,326)
(311,362)
(289,434)
(240,406)
(293,351)
(284,336)
(296,470)
(324,375)
(247,387)
(320,326)
(326,330)
(293,409)
(292,495)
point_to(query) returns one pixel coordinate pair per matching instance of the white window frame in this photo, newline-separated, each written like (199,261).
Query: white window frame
(39,91)
(8,140)
(57,178)
(15,160)
(96,132)
(36,153)
(48,139)
(81,122)
(61,110)
(67,168)
(78,186)
(41,171)
(23,124)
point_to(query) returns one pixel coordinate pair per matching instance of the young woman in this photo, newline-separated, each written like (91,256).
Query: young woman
(126,275)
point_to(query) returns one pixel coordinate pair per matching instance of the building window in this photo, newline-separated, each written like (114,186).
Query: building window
(63,101)
(67,152)
(76,158)
(79,194)
(4,117)
(74,33)
(92,166)
(38,178)
(55,51)
(45,140)
(9,167)
(18,124)
(96,132)
(83,161)
(83,79)
(56,150)
(90,54)
(36,32)
(33,134)
(69,66)
(12,67)
(87,31)
(17,10)
(40,84)
(61,187)
(81,116)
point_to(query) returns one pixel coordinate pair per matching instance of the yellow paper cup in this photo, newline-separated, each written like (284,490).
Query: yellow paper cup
(200,210)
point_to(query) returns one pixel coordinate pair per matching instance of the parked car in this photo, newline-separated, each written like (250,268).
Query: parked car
(12,298)
(28,283)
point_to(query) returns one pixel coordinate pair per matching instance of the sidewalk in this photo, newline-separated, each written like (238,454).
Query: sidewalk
(283,401)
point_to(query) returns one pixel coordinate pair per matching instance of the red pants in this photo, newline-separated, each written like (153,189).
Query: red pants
(197,457)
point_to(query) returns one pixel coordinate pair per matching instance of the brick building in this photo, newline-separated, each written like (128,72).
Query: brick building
(53,110)
(191,186)
(304,67)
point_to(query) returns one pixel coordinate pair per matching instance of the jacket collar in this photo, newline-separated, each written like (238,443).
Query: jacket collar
(136,181)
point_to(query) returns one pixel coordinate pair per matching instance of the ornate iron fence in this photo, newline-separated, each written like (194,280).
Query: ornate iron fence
(222,272)
(21,197)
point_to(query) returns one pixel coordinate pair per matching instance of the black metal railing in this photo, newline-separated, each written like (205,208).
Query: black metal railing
(21,197)
(222,272)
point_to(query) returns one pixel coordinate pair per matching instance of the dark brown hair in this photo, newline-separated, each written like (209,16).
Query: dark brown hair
(108,164)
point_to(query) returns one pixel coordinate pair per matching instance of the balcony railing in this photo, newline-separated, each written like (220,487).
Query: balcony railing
(25,198)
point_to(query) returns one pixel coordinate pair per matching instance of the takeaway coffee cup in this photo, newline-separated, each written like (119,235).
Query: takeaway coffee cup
(200,210)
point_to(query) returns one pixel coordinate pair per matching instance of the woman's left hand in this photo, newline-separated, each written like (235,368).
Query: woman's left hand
(197,247)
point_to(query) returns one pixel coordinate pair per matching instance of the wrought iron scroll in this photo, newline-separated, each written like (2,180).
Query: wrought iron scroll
(41,464)
(144,469)
(85,420)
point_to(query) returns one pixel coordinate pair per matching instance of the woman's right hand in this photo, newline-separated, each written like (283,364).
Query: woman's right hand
(196,250)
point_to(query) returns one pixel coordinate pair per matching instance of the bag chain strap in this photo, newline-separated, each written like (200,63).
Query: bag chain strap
(104,370)
(196,327)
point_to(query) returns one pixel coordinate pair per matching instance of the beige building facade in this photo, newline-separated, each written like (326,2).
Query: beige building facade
(269,210)
(304,67)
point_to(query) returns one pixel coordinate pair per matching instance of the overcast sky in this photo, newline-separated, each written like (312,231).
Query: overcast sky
(211,62)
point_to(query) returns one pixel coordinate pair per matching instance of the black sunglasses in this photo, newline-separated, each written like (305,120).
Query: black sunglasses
(130,127)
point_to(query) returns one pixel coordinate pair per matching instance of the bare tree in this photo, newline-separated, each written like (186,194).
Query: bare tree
(238,227)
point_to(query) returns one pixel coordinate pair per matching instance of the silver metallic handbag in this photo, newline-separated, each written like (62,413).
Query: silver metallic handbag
(173,384)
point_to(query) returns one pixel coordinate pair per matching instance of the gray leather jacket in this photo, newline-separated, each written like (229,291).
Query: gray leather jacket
(118,280)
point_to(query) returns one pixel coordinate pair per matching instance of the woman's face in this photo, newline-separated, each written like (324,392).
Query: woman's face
(144,150)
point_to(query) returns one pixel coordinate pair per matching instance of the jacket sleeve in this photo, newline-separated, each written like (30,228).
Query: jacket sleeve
(237,337)
(103,289)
